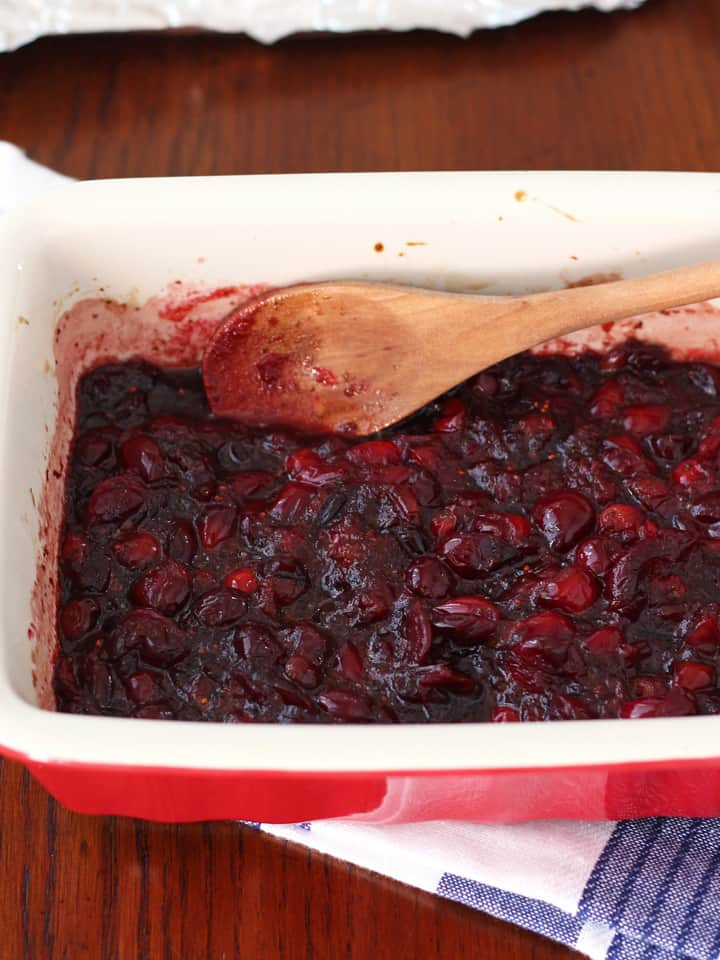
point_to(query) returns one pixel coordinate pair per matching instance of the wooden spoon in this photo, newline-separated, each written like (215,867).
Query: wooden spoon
(357,357)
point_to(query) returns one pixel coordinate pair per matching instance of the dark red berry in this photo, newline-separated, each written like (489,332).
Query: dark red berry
(564,518)
(137,550)
(183,542)
(115,499)
(468,618)
(243,580)
(164,588)
(571,589)
(78,617)
(143,454)
(428,577)
(642,420)
(217,525)
(217,608)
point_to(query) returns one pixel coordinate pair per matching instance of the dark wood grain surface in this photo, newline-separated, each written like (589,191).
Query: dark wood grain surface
(632,90)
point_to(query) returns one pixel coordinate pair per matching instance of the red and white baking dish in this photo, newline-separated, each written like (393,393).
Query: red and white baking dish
(503,232)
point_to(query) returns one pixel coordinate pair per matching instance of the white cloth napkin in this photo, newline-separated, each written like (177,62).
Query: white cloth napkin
(268,20)
(634,890)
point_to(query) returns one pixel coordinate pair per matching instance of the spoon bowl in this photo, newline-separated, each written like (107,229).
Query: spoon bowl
(354,358)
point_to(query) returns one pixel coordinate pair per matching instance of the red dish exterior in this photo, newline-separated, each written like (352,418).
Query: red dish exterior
(667,788)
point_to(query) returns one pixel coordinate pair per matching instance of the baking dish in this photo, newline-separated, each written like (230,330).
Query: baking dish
(499,232)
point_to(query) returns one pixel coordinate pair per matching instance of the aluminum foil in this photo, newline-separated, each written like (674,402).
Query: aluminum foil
(268,20)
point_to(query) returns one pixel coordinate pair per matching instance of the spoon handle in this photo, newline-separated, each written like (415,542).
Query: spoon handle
(564,311)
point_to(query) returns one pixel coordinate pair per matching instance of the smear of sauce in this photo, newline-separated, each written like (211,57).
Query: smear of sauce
(522,195)
(593,279)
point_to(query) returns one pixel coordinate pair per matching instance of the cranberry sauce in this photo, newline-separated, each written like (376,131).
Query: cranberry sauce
(544,543)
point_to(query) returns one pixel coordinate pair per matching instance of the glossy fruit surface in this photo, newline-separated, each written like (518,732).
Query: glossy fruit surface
(544,543)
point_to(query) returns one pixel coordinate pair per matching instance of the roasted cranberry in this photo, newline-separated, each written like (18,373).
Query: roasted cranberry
(78,617)
(468,618)
(426,456)
(542,637)
(115,499)
(183,542)
(243,580)
(623,454)
(452,416)
(443,675)
(621,520)
(429,578)
(671,446)
(608,399)
(293,503)
(642,420)
(708,448)
(344,705)
(605,641)
(217,608)
(217,525)
(571,589)
(92,448)
(288,580)
(305,639)
(564,706)
(511,527)
(137,550)
(307,466)
(695,676)
(301,672)
(475,554)
(350,664)
(164,588)
(637,709)
(645,687)
(418,633)
(443,524)
(375,453)
(564,518)
(256,642)
(371,604)
(679,703)
(693,476)
(74,551)
(143,454)
(403,505)
(650,491)
(249,482)
(705,636)
(158,639)
(144,687)
(65,682)
(596,554)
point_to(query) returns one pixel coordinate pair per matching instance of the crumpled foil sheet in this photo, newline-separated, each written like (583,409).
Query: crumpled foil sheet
(268,20)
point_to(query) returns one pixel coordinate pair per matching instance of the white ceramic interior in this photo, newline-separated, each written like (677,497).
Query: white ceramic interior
(500,232)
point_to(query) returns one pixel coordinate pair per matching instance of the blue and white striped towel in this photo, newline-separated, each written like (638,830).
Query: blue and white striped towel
(634,890)
(642,890)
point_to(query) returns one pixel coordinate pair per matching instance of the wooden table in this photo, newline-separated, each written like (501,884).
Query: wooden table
(631,90)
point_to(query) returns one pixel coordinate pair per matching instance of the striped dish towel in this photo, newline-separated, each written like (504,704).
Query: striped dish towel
(634,890)
(637,890)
